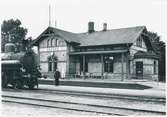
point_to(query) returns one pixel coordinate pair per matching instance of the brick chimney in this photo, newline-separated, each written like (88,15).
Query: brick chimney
(104,26)
(91,27)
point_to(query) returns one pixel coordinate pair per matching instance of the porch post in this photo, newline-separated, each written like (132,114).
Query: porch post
(127,66)
(102,65)
(68,61)
(83,66)
(122,67)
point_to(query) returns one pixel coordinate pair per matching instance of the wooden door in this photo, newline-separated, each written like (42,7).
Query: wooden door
(139,69)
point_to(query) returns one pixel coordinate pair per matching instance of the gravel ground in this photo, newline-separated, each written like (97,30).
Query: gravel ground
(11,109)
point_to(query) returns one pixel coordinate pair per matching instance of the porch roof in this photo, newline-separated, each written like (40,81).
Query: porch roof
(141,54)
(98,52)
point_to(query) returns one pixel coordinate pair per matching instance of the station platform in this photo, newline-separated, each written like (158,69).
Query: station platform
(140,88)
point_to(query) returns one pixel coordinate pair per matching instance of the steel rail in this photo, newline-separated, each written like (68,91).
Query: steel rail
(103,95)
(65,108)
(97,95)
(89,105)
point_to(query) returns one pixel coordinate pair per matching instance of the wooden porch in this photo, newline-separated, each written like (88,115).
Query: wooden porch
(105,58)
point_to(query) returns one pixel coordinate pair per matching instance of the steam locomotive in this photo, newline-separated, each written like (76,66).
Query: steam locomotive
(19,69)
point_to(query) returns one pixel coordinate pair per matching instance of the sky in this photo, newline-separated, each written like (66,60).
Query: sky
(74,15)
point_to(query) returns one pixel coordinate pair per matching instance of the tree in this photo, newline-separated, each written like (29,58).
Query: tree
(159,48)
(11,31)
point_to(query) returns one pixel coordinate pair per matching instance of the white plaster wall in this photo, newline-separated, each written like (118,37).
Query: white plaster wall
(62,56)
(132,69)
(118,67)
(94,67)
(44,67)
(148,66)
(62,68)
(44,56)
(77,68)
(134,48)
(148,69)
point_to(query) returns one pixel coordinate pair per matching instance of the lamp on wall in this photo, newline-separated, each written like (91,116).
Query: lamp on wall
(51,54)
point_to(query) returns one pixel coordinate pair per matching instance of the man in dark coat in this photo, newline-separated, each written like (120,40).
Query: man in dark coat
(57,76)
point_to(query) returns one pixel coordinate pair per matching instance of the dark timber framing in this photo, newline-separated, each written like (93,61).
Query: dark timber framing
(84,57)
(122,66)
(102,63)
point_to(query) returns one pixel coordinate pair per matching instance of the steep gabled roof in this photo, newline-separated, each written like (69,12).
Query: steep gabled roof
(67,36)
(109,37)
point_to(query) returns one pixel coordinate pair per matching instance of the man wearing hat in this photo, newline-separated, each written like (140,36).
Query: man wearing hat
(57,76)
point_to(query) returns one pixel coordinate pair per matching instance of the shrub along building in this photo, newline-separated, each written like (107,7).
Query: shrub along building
(116,54)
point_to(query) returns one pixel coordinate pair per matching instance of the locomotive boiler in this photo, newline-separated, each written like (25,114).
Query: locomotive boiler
(19,69)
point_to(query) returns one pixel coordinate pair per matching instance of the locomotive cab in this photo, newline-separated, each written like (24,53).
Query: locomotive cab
(14,74)
(19,70)
(11,73)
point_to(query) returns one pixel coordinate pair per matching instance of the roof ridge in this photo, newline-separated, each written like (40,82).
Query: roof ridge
(61,30)
(113,29)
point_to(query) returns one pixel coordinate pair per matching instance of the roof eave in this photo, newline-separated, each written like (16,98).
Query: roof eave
(116,44)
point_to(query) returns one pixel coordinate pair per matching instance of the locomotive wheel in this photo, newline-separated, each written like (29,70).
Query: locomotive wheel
(4,81)
(18,84)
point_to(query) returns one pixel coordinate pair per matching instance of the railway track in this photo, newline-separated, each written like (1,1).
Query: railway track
(97,95)
(105,95)
(101,109)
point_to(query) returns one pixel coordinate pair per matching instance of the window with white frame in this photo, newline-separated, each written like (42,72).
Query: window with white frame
(52,63)
(49,43)
(55,42)
(139,42)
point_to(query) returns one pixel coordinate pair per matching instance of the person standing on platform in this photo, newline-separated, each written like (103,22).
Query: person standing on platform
(57,76)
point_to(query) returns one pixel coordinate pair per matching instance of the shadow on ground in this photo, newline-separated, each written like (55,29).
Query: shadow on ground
(98,84)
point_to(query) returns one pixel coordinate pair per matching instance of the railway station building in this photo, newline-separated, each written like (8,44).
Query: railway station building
(124,53)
